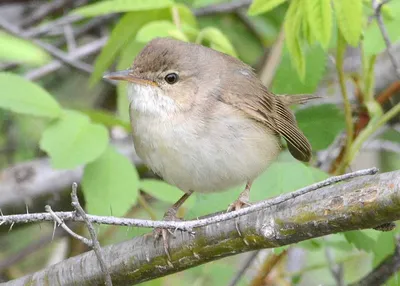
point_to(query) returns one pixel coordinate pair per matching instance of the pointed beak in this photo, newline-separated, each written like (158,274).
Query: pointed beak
(127,75)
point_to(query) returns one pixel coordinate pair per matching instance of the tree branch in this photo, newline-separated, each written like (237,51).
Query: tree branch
(361,203)
(383,271)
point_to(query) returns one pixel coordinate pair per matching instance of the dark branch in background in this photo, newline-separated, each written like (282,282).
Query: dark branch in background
(48,8)
(222,8)
(383,271)
(358,204)
(249,261)
(377,5)
(56,53)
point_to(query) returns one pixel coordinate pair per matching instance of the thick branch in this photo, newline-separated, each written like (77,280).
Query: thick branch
(361,203)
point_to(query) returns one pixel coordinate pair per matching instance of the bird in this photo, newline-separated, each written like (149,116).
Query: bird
(204,122)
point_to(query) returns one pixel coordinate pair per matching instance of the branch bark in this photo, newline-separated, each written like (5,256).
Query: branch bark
(361,203)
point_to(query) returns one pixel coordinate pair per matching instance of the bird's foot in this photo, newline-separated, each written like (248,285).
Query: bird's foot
(238,204)
(166,233)
(242,201)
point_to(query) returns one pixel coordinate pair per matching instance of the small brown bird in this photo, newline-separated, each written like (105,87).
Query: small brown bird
(203,121)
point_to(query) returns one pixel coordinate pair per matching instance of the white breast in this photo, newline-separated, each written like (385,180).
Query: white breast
(201,155)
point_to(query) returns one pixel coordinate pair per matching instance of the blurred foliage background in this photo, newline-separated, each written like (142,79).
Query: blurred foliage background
(55,103)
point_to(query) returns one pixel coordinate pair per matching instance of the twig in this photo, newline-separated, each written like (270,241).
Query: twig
(38,31)
(382,145)
(383,271)
(80,52)
(56,53)
(28,250)
(95,243)
(221,8)
(69,37)
(341,46)
(43,11)
(268,70)
(269,263)
(335,269)
(377,5)
(61,223)
(185,225)
(244,268)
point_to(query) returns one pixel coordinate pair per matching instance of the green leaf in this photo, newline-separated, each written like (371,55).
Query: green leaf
(263,6)
(321,124)
(21,51)
(128,54)
(350,19)
(373,40)
(164,192)
(360,239)
(73,140)
(20,95)
(123,33)
(319,15)
(106,118)
(186,15)
(116,6)
(217,40)
(284,177)
(156,29)
(315,61)
(279,178)
(384,246)
(110,184)
(293,23)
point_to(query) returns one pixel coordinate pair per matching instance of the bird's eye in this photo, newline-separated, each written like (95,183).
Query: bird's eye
(171,78)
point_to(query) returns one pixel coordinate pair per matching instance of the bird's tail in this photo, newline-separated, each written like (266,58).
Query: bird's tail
(297,98)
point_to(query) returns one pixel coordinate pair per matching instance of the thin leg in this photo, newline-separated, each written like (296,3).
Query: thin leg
(168,216)
(243,199)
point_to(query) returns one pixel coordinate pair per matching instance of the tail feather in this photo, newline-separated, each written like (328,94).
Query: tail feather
(297,98)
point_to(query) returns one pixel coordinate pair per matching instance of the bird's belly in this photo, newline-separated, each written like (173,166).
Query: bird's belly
(204,161)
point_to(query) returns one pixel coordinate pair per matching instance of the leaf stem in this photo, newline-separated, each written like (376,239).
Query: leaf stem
(371,128)
(341,47)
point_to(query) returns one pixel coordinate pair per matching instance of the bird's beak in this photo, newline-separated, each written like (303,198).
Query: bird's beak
(127,75)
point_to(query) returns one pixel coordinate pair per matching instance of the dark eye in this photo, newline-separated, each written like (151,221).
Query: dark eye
(171,78)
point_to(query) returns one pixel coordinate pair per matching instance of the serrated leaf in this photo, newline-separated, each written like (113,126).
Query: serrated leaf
(350,19)
(319,15)
(315,61)
(110,184)
(164,192)
(292,26)
(20,95)
(123,33)
(21,51)
(360,240)
(157,29)
(73,140)
(263,6)
(116,6)
(218,41)
(321,124)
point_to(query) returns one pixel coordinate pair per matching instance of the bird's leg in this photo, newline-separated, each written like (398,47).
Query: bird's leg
(170,215)
(243,199)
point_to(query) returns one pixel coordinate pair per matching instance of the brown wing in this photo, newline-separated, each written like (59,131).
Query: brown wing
(249,95)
